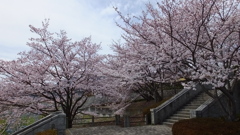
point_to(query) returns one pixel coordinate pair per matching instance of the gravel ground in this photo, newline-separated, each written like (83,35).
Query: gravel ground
(116,130)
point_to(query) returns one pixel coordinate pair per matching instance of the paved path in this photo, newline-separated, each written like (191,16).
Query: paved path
(116,130)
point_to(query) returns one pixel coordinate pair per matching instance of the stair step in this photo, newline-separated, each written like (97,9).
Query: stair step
(184,113)
(194,104)
(181,115)
(190,107)
(187,112)
(199,100)
(178,118)
(172,120)
(168,123)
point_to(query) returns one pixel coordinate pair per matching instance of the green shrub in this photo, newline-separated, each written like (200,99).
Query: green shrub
(206,126)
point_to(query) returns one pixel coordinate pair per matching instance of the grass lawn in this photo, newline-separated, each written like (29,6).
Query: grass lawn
(27,120)
(2,122)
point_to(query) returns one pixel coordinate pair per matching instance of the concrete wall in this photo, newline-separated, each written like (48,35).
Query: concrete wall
(56,121)
(212,107)
(159,114)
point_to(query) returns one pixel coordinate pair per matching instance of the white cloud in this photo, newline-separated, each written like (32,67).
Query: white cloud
(79,18)
(108,11)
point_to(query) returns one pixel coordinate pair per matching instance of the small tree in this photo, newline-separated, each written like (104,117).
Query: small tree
(56,74)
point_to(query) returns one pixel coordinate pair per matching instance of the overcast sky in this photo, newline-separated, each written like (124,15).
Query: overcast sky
(79,18)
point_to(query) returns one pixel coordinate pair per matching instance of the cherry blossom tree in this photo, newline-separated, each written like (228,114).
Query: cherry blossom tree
(139,69)
(116,83)
(198,40)
(143,64)
(56,74)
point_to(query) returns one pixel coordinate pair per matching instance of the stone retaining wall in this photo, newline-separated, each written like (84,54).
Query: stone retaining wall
(56,121)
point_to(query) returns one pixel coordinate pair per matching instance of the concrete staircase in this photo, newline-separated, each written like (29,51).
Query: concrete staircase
(184,112)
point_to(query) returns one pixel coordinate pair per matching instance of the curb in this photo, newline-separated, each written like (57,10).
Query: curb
(68,132)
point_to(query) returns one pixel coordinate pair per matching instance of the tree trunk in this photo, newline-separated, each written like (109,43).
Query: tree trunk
(147,97)
(157,97)
(68,117)
(234,102)
(154,87)
(232,116)
(69,121)
(161,88)
(229,103)
(236,94)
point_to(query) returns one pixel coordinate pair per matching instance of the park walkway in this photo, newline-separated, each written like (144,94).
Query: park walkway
(117,130)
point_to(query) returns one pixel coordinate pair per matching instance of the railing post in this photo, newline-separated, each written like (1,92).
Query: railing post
(92,119)
(193,113)
(126,121)
(153,116)
(117,119)
(148,119)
